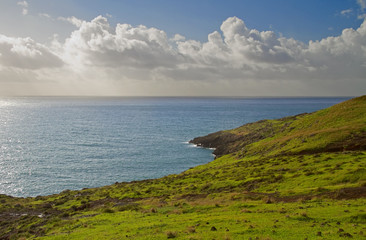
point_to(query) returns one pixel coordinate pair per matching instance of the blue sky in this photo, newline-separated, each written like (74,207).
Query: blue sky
(302,20)
(233,47)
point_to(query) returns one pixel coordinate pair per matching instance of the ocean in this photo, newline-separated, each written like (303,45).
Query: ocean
(50,144)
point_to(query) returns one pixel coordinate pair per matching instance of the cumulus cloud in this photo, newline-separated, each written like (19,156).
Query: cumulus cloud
(97,43)
(24,5)
(26,53)
(235,58)
(263,55)
(346,12)
(362,4)
(361,16)
(178,37)
(45,15)
(73,20)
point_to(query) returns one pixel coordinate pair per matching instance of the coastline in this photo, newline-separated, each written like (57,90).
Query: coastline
(95,142)
(268,184)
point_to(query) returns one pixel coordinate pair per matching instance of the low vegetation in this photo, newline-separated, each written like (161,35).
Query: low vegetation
(301,177)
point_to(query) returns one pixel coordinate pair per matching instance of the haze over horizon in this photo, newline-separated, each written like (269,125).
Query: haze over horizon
(168,48)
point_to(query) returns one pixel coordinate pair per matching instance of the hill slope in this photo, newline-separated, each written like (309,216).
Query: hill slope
(338,128)
(292,178)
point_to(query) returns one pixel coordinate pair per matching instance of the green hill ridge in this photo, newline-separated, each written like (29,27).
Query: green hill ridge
(338,128)
(299,177)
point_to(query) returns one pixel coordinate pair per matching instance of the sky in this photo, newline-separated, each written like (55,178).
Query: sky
(182,48)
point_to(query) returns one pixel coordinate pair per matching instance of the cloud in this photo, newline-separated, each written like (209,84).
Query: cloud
(362,4)
(24,5)
(361,16)
(235,59)
(346,12)
(341,57)
(73,20)
(96,43)
(25,53)
(45,15)
(241,49)
(178,38)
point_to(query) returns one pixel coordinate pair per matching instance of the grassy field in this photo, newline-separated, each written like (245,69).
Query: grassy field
(301,177)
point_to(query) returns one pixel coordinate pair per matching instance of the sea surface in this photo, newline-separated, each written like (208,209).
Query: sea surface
(50,144)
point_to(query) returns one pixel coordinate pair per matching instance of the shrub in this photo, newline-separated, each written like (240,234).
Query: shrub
(359,218)
(171,234)
(126,207)
(108,210)
(191,229)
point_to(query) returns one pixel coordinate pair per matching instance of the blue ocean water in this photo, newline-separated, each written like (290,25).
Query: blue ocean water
(51,144)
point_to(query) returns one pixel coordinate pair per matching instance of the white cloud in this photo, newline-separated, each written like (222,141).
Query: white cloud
(361,16)
(178,38)
(45,15)
(73,20)
(346,12)
(242,48)
(362,4)
(24,53)
(139,60)
(24,5)
(97,43)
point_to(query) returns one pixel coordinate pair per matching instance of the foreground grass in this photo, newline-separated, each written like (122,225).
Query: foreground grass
(301,177)
(122,211)
(225,219)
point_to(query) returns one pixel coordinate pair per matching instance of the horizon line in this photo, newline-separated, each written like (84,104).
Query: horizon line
(167,96)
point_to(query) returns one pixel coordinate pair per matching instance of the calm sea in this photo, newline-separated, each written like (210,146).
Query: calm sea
(48,145)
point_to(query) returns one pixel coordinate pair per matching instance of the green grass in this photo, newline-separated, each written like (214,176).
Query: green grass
(293,178)
(233,219)
(314,132)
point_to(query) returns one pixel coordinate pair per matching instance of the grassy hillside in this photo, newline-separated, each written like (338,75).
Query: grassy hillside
(300,177)
(341,127)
